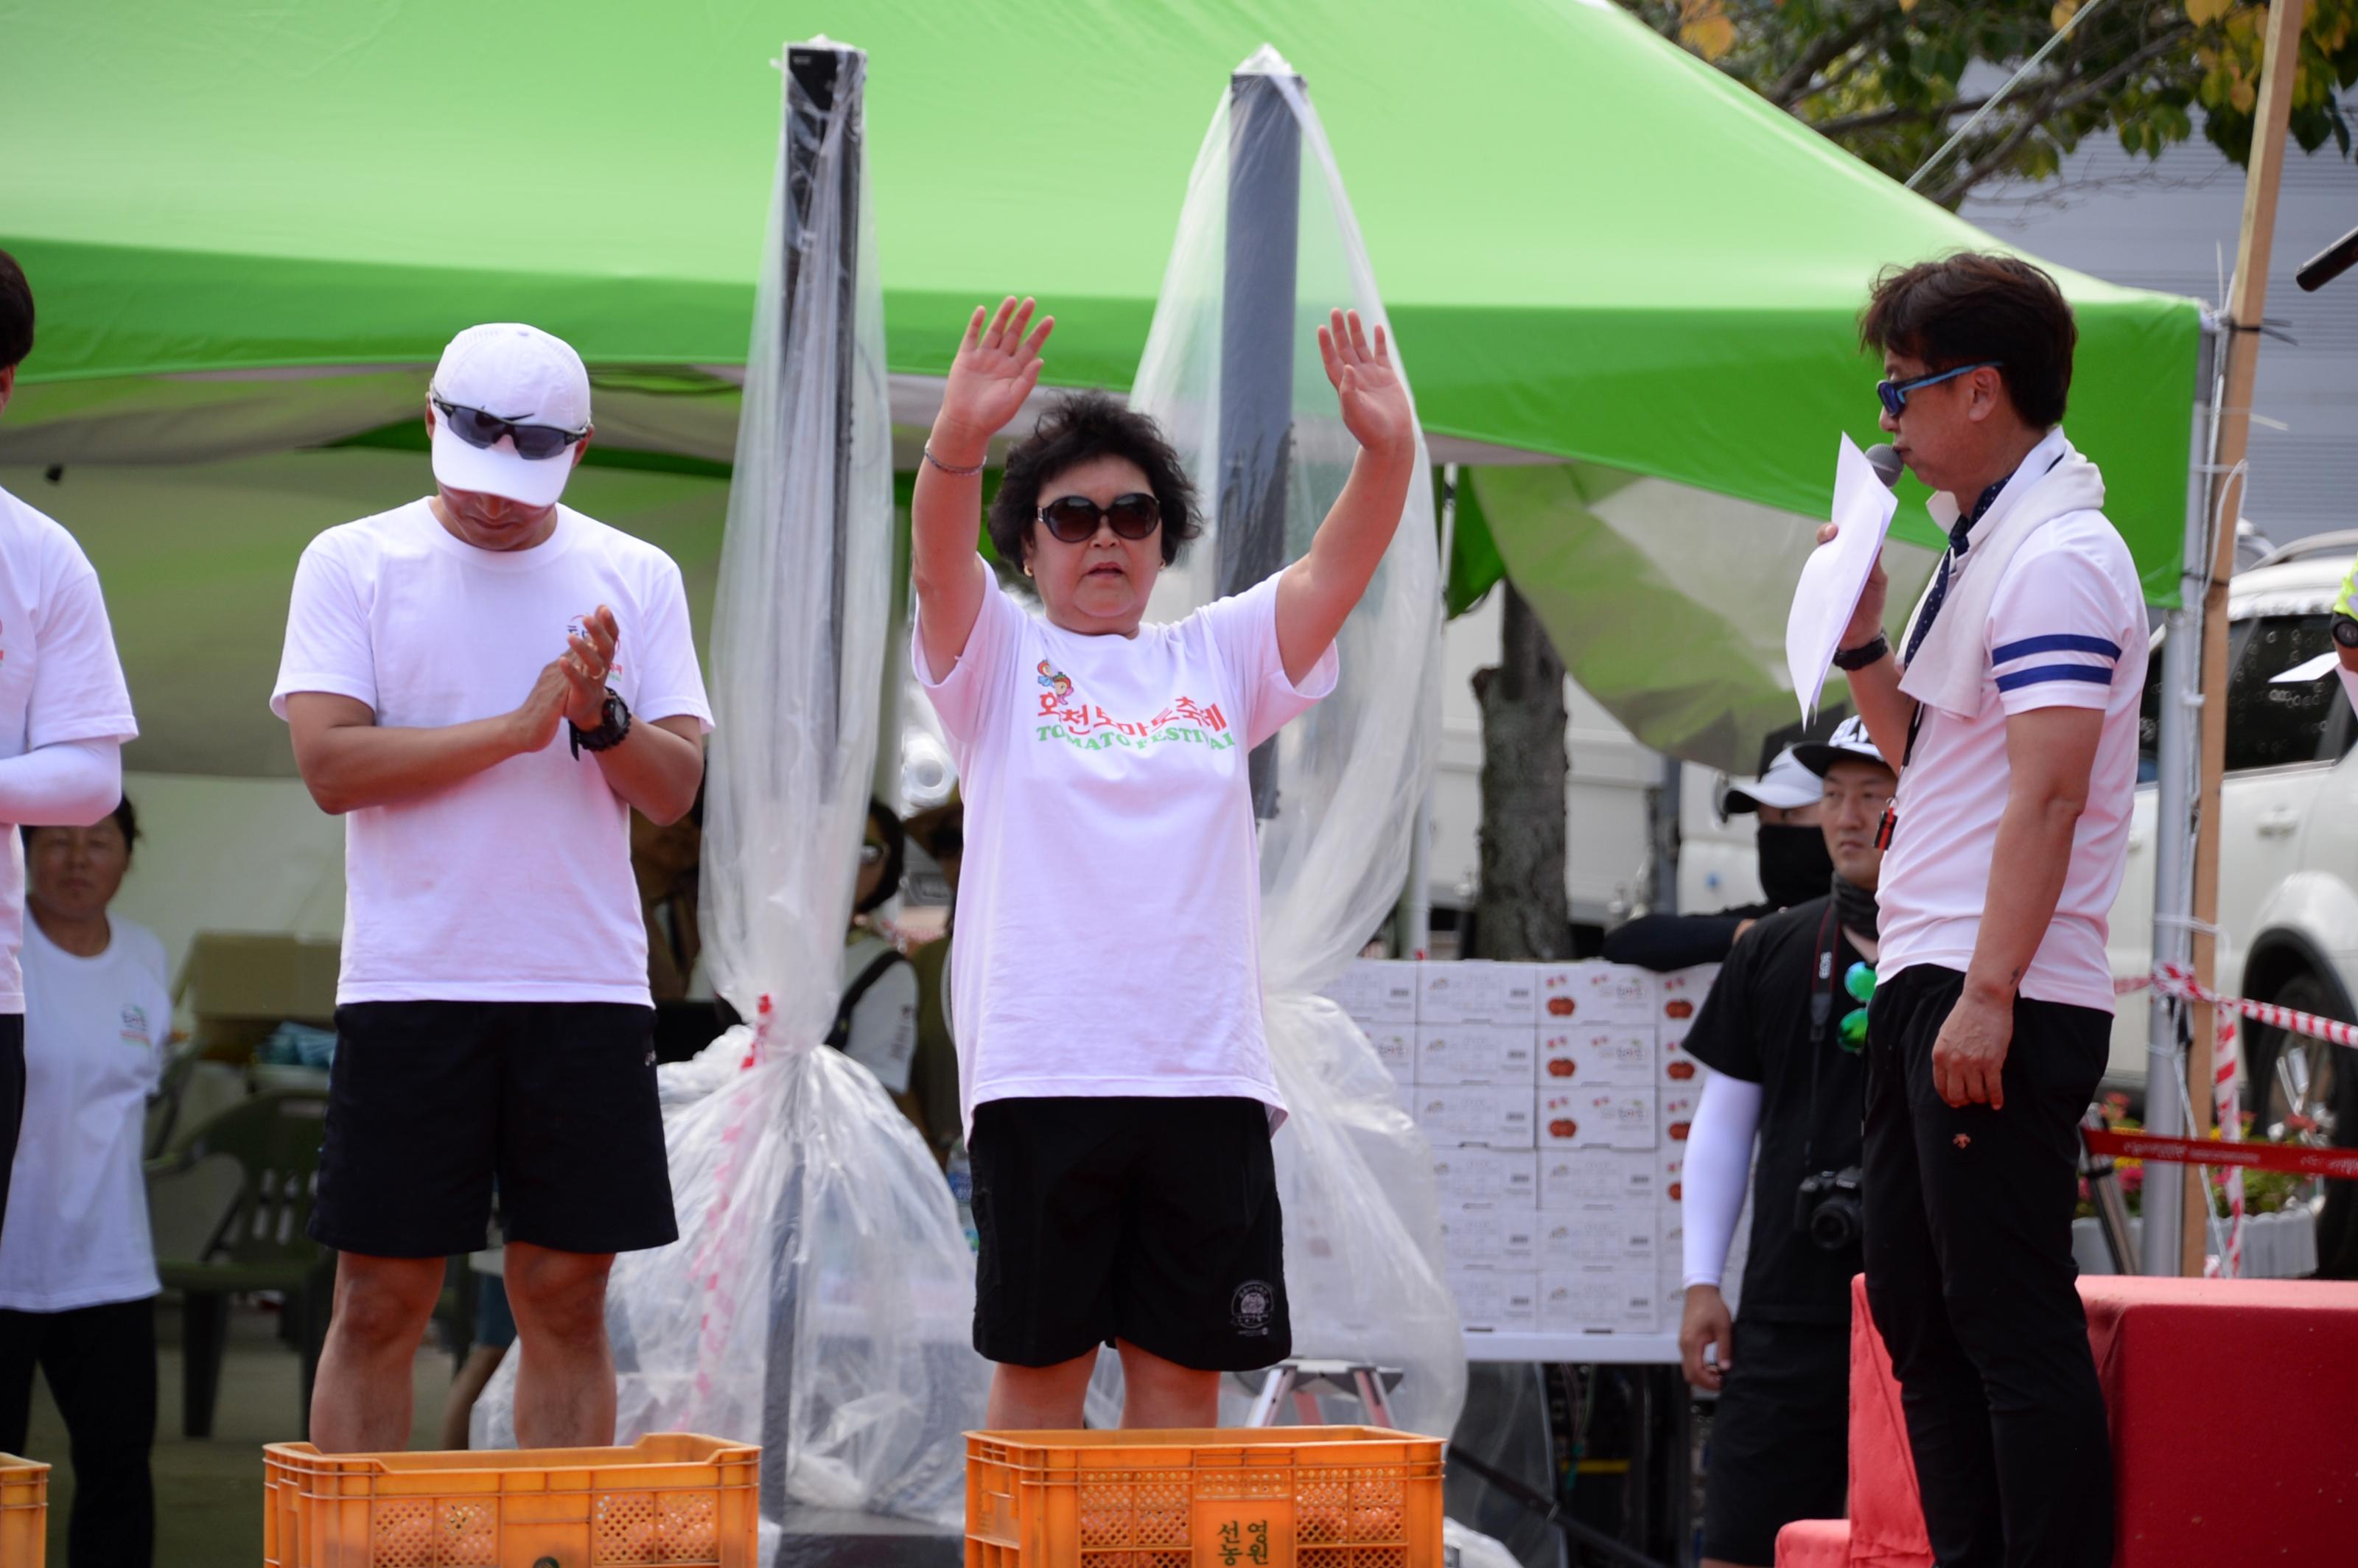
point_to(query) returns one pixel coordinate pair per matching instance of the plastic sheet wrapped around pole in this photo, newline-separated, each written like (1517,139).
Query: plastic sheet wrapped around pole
(820,1297)
(1362,1222)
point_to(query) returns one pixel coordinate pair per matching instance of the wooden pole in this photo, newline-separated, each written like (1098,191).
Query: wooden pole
(2247,297)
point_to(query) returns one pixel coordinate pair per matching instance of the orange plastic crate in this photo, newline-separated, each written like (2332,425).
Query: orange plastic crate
(1289,1496)
(673,1498)
(24,1512)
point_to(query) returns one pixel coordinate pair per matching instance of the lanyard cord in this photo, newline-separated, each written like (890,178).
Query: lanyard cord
(1822,1007)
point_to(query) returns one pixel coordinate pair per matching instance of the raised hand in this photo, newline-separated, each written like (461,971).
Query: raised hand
(1374,398)
(996,368)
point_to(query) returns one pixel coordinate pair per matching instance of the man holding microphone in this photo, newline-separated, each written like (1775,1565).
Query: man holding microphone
(2011,712)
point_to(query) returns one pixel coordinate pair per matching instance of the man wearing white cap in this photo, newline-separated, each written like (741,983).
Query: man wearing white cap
(1781,1032)
(492,1018)
(1793,868)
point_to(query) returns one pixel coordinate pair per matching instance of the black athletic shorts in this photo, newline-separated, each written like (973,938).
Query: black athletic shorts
(1779,1447)
(1154,1221)
(428,1101)
(12,1096)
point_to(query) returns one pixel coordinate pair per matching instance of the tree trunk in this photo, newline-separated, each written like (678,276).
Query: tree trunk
(1521,911)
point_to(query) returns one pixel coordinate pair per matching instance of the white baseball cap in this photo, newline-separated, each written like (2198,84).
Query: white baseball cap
(1848,743)
(1785,784)
(525,376)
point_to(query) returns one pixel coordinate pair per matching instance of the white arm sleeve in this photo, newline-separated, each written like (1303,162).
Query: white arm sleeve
(71,784)
(1718,1166)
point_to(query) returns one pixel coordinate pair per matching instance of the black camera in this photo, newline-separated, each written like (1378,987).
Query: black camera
(1826,1209)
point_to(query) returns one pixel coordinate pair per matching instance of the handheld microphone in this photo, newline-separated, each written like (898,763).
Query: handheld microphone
(1885,460)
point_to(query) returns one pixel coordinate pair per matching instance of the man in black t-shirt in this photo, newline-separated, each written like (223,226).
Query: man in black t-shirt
(1783,1033)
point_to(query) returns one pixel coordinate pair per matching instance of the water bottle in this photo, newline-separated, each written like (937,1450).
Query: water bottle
(960,1172)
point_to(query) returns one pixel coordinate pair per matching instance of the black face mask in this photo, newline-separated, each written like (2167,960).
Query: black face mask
(1794,865)
(1854,907)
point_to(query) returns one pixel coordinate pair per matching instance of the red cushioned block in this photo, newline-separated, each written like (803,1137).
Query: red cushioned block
(1887,1516)
(1815,1544)
(2232,1403)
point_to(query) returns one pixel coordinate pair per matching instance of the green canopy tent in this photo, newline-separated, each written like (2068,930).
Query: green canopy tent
(251,231)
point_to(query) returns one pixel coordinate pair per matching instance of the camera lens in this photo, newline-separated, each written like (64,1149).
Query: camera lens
(1836,1223)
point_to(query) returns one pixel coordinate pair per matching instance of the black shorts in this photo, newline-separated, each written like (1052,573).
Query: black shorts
(12,1096)
(1780,1446)
(428,1101)
(1155,1221)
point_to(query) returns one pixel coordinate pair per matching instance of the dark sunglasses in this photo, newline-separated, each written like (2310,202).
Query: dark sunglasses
(1895,393)
(478,428)
(1074,519)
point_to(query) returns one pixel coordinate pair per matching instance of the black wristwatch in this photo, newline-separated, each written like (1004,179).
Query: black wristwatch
(1865,653)
(2345,632)
(614,723)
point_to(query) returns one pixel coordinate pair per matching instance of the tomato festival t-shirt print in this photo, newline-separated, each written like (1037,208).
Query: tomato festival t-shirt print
(1086,727)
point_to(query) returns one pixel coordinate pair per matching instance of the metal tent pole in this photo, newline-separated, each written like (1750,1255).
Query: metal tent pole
(2178,755)
(823,81)
(1257,332)
(2248,292)
(816,72)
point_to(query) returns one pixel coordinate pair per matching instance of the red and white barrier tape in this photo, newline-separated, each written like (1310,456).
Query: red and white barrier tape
(2302,1159)
(2178,981)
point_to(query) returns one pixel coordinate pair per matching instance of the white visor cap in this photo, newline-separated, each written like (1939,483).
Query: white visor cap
(521,374)
(1785,784)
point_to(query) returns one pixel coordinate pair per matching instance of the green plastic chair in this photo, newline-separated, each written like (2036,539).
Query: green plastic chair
(260,1244)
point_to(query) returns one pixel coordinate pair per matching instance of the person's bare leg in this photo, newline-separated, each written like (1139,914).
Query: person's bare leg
(360,1400)
(1164,1394)
(466,1387)
(564,1378)
(1039,1398)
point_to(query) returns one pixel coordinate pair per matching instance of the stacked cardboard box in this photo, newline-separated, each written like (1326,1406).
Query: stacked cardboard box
(1556,1098)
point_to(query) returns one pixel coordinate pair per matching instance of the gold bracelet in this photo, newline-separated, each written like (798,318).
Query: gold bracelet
(961,473)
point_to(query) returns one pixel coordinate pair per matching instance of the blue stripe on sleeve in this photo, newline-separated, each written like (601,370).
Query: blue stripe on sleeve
(2059,643)
(2042,673)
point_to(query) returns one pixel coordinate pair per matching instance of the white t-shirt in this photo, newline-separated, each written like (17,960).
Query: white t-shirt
(515,885)
(2067,629)
(1108,939)
(95,1034)
(59,680)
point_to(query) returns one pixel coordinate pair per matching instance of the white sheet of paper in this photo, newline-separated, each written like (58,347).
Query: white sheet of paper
(1836,573)
(2308,670)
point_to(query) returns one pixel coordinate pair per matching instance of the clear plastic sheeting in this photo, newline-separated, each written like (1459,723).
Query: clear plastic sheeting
(820,1298)
(1506,1427)
(1232,371)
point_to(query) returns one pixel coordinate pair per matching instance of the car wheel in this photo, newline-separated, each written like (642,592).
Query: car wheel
(2307,1090)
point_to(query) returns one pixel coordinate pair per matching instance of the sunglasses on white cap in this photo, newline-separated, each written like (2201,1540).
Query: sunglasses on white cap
(478,428)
